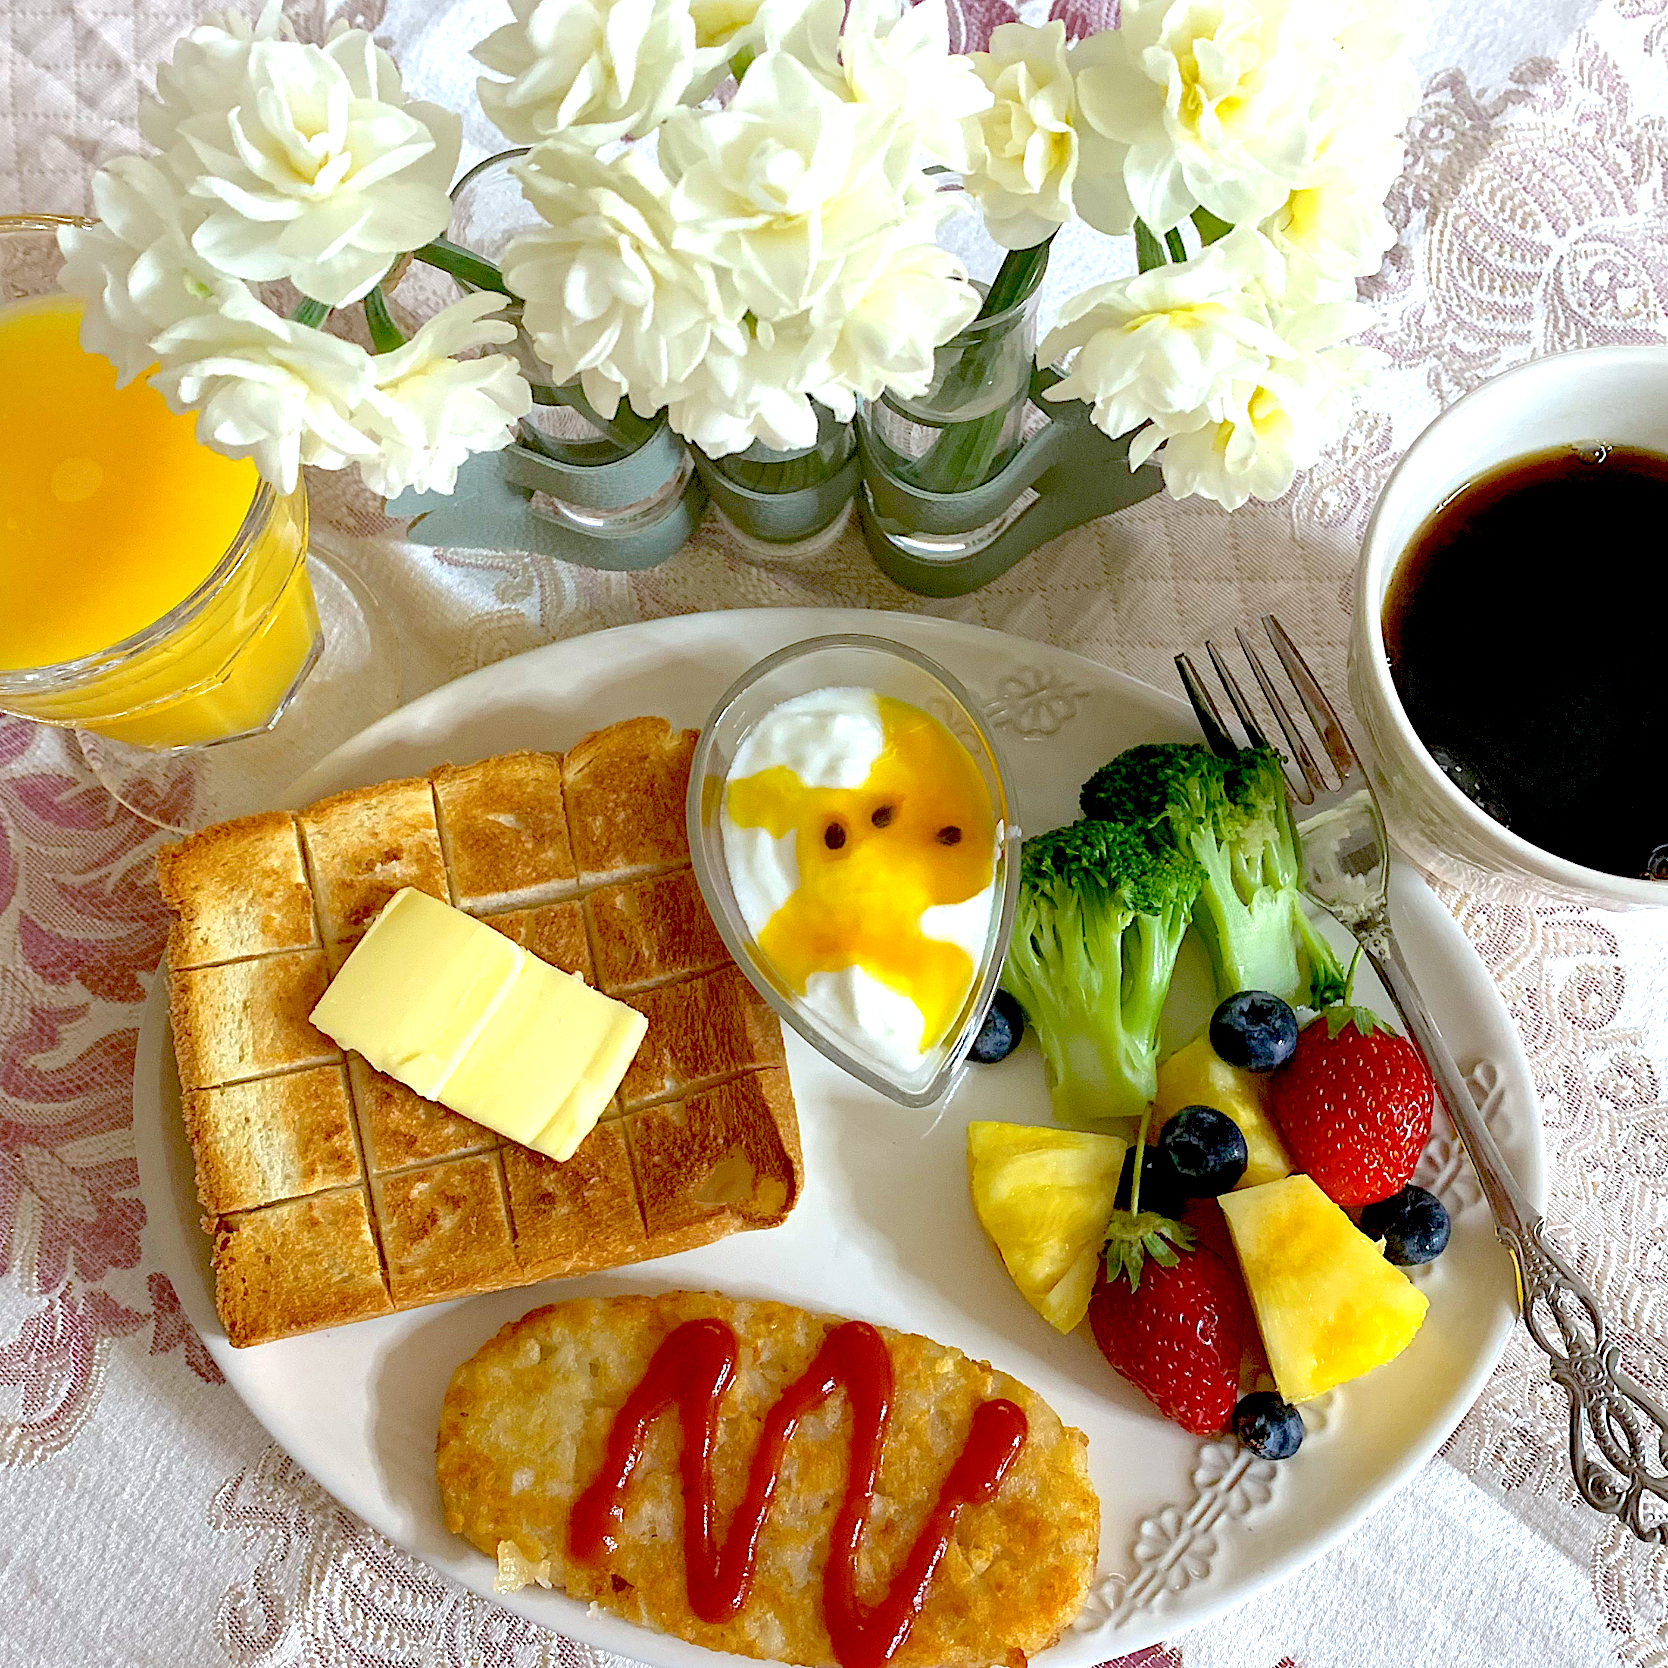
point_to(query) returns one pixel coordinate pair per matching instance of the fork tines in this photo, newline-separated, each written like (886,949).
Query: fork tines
(1327,726)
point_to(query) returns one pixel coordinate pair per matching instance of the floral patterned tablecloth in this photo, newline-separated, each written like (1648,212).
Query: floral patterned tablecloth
(146,1518)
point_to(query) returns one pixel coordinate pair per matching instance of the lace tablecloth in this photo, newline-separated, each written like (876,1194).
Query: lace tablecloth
(147,1520)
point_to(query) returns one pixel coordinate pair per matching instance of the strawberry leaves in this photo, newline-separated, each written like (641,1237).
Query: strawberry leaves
(1133,1236)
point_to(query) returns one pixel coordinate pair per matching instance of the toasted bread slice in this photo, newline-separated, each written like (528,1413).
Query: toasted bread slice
(579,1215)
(625,789)
(364,845)
(238,889)
(700,1030)
(295,1266)
(273,1138)
(504,829)
(446,1230)
(268,908)
(553,932)
(242,1019)
(526,1418)
(718,1161)
(400,1128)
(649,931)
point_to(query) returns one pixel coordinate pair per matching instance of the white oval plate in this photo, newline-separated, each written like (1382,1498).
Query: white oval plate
(884,1230)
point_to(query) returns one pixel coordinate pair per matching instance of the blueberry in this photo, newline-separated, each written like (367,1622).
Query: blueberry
(1268,1425)
(1413,1225)
(999,1035)
(1206,1150)
(1161,1188)
(1254,1030)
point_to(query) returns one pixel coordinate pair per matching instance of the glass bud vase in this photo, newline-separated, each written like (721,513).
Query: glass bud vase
(955,438)
(616,492)
(785,509)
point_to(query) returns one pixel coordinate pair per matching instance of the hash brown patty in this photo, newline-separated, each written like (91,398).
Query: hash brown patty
(525,1422)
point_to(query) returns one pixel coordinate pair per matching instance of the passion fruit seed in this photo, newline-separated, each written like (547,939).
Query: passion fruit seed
(950,836)
(834,836)
(881,816)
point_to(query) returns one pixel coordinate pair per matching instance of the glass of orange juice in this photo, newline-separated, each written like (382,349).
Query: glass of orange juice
(157,594)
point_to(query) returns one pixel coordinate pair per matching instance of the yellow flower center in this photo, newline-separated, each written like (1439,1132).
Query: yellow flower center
(717,20)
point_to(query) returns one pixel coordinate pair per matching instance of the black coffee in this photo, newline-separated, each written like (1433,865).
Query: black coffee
(1528,641)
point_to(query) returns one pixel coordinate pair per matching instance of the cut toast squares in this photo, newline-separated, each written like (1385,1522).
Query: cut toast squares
(400,1128)
(238,889)
(504,829)
(273,1138)
(648,931)
(364,845)
(718,1161)
(296,1266)
(553,932)
(243,1019)
(699,1030)
(580,1215)
(336,1193)
(625,789)
(446,1231)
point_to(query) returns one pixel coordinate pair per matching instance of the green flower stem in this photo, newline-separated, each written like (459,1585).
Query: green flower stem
(965,454)
(309,312)
(1149,252)
(385,334)
(1210,228)
(1173,242)
(467,268)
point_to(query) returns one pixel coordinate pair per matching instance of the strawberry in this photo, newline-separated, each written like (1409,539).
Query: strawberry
(1354,1105)
(1203,1218)
(1177,1335)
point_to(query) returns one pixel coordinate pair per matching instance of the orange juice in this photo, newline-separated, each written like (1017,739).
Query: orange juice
(169,575)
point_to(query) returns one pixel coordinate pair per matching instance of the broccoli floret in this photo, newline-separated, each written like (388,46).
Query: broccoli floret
(1101,915)
(1233,817)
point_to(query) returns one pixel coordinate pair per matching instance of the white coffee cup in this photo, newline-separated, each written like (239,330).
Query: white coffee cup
(1614,395)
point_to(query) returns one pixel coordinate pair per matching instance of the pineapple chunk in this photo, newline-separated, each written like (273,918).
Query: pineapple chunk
(1045,1196)
(1198,1076)
(1329,1307)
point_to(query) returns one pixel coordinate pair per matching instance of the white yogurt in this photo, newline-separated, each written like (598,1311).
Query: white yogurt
(831,738)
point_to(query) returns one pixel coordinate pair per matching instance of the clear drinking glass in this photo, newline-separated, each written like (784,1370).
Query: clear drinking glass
(222,665)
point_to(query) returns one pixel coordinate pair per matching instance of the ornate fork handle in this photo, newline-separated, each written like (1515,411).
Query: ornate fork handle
(1618,1434)
(1614,1425)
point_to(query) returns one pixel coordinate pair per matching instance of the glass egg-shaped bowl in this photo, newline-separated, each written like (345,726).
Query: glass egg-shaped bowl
(889,670)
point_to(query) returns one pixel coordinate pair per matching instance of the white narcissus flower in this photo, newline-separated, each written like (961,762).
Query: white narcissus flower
(906,299)
(785,182)
(428,409)
(1024,147)
(134,269)
(314,165)
(756,390)
(266,387)
(1167,342)
(897,56)
(1255,437)
(1329,234)
(726,30)
(610,299)
(595,70)
(1223,104)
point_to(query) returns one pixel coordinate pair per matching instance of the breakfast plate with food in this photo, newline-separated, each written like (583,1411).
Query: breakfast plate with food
(653,1127)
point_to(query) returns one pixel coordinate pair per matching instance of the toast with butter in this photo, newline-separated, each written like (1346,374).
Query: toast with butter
(332,1192)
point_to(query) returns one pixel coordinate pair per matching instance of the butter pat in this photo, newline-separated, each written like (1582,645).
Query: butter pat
(465,1017)
(549,1060)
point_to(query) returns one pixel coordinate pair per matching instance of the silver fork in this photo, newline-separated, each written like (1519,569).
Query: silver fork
(1618,1434)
